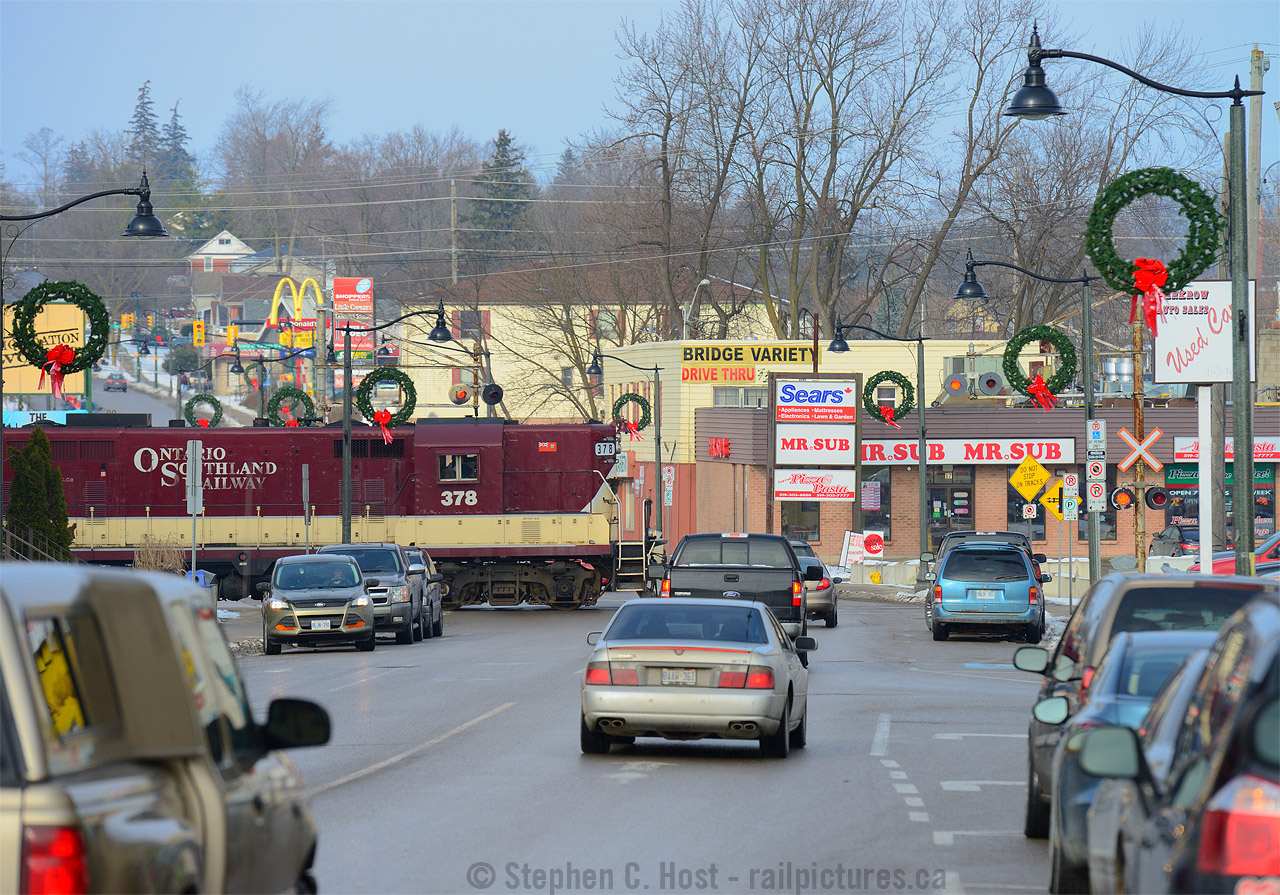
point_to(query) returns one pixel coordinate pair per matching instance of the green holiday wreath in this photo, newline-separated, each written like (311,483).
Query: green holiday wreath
(1203,226)
(31,304)
(1066,373)
(262,376)
(904,389)
(189,409)
(290,395)
(364,394)
(639,401)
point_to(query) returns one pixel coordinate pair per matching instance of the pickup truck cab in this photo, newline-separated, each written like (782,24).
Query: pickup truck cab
(129,759)
(741,566)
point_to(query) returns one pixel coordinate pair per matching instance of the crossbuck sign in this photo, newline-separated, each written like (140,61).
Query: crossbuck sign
(1142,450)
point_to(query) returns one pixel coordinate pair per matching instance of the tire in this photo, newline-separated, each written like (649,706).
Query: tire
(1035,824)
(1031,634)
(416,632)
(269,646)
(405,634)
(437,628)
(306,884)
(778,744)
(428,629)
(368,645)
(832,618)
(800,736)
(593,742)
(940,631)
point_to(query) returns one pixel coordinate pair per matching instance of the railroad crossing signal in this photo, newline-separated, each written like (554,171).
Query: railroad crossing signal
(1142,451)
(1028,478)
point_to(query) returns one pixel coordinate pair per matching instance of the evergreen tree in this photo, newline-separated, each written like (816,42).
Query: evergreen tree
(78,172)
(36,501)
(567,167)
(174,165)
(500,208)
(144,135)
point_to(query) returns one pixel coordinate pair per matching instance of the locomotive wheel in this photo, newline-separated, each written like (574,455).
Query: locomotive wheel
(564,605)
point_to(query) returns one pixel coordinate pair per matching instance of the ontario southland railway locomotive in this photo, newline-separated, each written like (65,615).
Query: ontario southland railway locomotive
(511,513)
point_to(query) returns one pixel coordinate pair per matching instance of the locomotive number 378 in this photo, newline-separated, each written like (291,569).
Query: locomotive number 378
(457,498)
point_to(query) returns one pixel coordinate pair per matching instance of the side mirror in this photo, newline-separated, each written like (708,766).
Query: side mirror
(1031,658)
(1046,578)
(805,644)
(436,578)
(371,582)
(417,568)
(927,557)
(1039,557)
(594,637)
(813,573)
(1111,752)
(657,570)
(263,587)
(295,722)
(837,581)
(930,576)
(1052,710)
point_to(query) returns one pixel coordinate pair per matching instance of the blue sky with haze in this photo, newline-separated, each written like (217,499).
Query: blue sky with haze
(542,70)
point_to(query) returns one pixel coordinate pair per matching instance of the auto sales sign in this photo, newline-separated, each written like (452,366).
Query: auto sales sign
(818,401)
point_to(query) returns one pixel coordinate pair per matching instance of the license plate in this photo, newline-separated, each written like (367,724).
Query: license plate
(319,624)
(984,594)
(684,676)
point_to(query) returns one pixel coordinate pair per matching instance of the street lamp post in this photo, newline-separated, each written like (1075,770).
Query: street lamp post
(596,370)
(839,346)
(971,290)
(1035,101)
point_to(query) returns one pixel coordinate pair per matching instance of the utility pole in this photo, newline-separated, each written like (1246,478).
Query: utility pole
(453,228)
(1258,64)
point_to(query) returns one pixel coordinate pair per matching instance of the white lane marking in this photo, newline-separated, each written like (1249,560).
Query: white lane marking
(913,802)
(408,753)
(988,676)
(363,680)
(906,789)
(897,775)
(976,785)
(889,763)
(880,744)
(948,837)
(960,736)
(953,884)
(919,816)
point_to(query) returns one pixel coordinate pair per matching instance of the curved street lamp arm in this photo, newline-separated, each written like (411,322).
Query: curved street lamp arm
(971,264)
(1034,55)
(628,363)
(876,332)
(144,192)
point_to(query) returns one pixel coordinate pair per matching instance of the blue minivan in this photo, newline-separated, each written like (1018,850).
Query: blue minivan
(983,587)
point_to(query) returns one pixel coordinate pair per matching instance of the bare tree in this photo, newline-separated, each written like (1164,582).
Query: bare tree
(44,158)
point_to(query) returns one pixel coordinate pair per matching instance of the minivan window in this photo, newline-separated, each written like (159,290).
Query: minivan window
(984,565)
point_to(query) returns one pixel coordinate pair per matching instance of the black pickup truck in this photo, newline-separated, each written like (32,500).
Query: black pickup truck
(740,566)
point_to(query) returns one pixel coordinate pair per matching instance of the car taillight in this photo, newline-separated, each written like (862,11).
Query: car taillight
(759,678)
(1033,595)
(608,673)
(797,593)
(1240,832)
(824,584)
(732,679)
(1086,679)
(937,593)
(666,588)
(598,673)
(54,860)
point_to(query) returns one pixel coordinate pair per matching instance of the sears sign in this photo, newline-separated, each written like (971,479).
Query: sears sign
(821,401)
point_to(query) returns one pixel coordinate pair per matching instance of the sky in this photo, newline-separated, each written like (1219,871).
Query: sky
(542,69)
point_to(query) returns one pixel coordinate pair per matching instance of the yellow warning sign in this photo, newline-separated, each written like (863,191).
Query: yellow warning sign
(1028,478)
(1052,499)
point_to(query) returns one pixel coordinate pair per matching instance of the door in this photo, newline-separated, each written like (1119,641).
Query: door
(950,509)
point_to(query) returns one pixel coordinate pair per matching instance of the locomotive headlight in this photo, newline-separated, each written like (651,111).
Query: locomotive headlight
(398,594)
(277,603)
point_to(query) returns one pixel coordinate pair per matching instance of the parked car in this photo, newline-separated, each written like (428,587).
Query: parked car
(397,598)
(1224,561)
(1118,602)
(130,759)
(687,669)
(820,595)
(432,592)
(1129,676)
(1179,540)
(953,539)
(1213,825)
(317,600)
(982,586)
(1119,808)
(115,382)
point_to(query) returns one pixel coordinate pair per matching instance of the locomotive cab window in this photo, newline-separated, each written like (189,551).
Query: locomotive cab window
(459,467)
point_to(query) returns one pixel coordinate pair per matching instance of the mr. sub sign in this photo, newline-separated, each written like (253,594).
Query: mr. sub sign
(978,451)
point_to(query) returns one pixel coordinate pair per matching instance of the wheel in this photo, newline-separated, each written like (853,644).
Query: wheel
(405,634)
(1031,634)
(1036,823)
(832,618)
(368,644)
(269,646)
(306,884)
(778,744)
(593,742)
(416,630)
(437,627)
(800,735)
(940,631)
(428,629)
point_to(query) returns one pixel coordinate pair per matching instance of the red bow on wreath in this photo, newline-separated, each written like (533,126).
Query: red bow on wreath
(633,431)
(55,359)
(293,423)
(203,424)
(382,417)
(1040,393)
(887,413)
(1149,275)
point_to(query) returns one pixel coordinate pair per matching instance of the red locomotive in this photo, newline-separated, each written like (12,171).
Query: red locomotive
(511,513)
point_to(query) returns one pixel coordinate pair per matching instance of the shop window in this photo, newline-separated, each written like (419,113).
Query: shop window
(800,520)
(876,500)
(949,475)
(755,397)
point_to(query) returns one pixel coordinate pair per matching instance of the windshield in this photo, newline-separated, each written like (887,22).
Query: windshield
(308,575)
(985,565)
(735,624)
(802,549)
(763,553)
(376,559)
(1165,608)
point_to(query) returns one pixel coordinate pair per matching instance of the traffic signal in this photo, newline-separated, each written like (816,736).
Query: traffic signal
(286,338)
(197,333)
(151,320)
(460,393)
(126,320)
(1123,499)
(1156,498)
(990,383)
(956,385)
(491,394)
(233,333)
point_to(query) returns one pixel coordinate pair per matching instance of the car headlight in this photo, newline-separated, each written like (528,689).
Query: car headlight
(399,594)
(362,600)
(277,603)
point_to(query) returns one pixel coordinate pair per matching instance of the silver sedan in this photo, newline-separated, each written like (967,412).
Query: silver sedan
(687,669)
